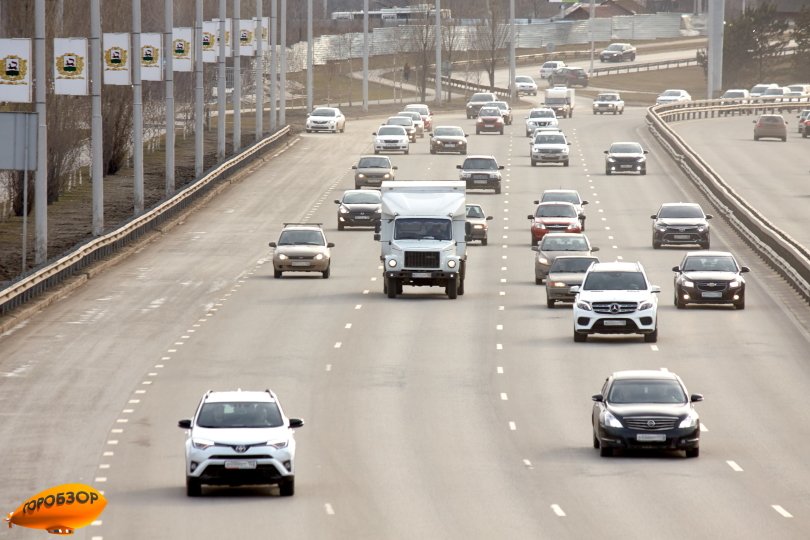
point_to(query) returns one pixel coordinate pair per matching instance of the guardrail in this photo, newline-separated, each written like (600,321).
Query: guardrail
(783,253)
(72,263)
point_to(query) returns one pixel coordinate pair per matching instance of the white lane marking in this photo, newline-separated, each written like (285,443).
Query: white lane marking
(172,350)
(179,343)
(503,280)
(512,426)
(600,210)
(140,391)
(502,293)
(113,441)
(504,257)
(499,370)
(159,366)
(348,326)
(338,345)
(152,374)
(528,464)
(501,308)
(654,348)
(329,510)
(499,327)
(101,479)
(506,228)
(108,454)
(146,382)
(505,237)
(606,228)
(557,510)
(116,430)
(784,513)
(122,420)
(610,237)
(165,357)
(619,257)
(104,466)
(365,291)
(358,306)
(503,268)
(504,245)
(734,466)
(128,411)
(504,397)
(134,401)
(615,247)
(328,367)
(499,346)
(373,279)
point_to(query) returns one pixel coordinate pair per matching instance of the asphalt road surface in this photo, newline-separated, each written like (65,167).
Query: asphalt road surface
(425,417)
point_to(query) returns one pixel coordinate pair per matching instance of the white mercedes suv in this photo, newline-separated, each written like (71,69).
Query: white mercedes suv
(240,438)
(616,298)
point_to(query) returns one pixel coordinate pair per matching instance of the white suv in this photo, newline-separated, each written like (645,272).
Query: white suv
(240,438)
(616,298)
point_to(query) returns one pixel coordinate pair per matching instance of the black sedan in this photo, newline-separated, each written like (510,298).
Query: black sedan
(626,157)
(448,139)
(709,277)
(645,410)
(359,208)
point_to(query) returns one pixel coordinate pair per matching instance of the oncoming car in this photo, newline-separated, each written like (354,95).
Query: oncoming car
(540,117)
(481,172)
(359,208)
(391,138)
(302,247)
(476,227)
(645,410)
(448,139)
(709,277)
(326,119)
(626,157)
(372,171)
(240,438)
(525,85)
(490,119)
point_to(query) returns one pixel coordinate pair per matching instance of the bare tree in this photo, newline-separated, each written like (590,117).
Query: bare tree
(451,41)
(490,35)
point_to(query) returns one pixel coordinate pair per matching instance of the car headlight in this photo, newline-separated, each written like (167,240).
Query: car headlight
(535,149)
(661,228)
(687,283)
(386,176)
(641,159)
(278,445)
(565,150)
(543,260)
(282,257)
(202,444)
(538,225)
(439,143)
(611,159)
(479,121)
(702,228)
(645,305)
(343,209)
(583,305)
(734,284)
(465,175)
(392,263)
(360,175)
(692,419)
(319,257)
(573,226)
(558,284)
(607,419)
(451,263)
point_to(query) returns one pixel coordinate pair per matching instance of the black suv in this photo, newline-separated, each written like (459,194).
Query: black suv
(477,101)
(569,76)
(618,52)
(680,223)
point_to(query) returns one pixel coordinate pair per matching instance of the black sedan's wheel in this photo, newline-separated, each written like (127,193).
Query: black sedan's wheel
(606,452)
(693,452)
(679,303)
(740,304)
(596,441)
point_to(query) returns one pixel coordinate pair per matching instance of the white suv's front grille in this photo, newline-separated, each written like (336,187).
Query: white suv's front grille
(615,308)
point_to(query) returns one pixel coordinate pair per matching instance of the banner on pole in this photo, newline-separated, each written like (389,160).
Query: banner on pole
(228,34)
(209,41)
(70,66)
(247,37)
(265,33)
(15,70)
(151,57)
(116,59)
(182,50)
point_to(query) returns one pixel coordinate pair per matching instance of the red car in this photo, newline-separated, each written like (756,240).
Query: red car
(561,217)
(489,119)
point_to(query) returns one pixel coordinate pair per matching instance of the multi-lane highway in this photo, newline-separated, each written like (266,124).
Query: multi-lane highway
(425,417)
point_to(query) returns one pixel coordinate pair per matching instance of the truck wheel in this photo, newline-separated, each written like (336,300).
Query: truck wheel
(452,289)
(461,287)
(391,287)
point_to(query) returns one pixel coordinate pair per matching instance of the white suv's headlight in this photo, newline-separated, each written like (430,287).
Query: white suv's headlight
(645,305)
(278,444)
(690,421)
(202,444)
(583,305)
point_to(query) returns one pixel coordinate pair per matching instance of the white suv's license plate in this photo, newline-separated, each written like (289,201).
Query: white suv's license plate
(615,323)
(240,464)
(421,274)
(651,437)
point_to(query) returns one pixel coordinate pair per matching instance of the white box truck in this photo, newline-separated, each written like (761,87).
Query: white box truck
(561,99)
(422,235)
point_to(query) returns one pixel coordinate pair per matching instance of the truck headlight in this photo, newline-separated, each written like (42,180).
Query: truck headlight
(392,263)
(451,263)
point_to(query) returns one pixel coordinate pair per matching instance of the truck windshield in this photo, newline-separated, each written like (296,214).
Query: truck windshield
(423,229)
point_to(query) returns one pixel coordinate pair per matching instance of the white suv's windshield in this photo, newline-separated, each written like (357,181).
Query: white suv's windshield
(239,414)
(615,281)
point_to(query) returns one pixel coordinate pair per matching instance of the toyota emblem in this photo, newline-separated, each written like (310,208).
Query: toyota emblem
(241,448)
(650,423)
(614,308)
